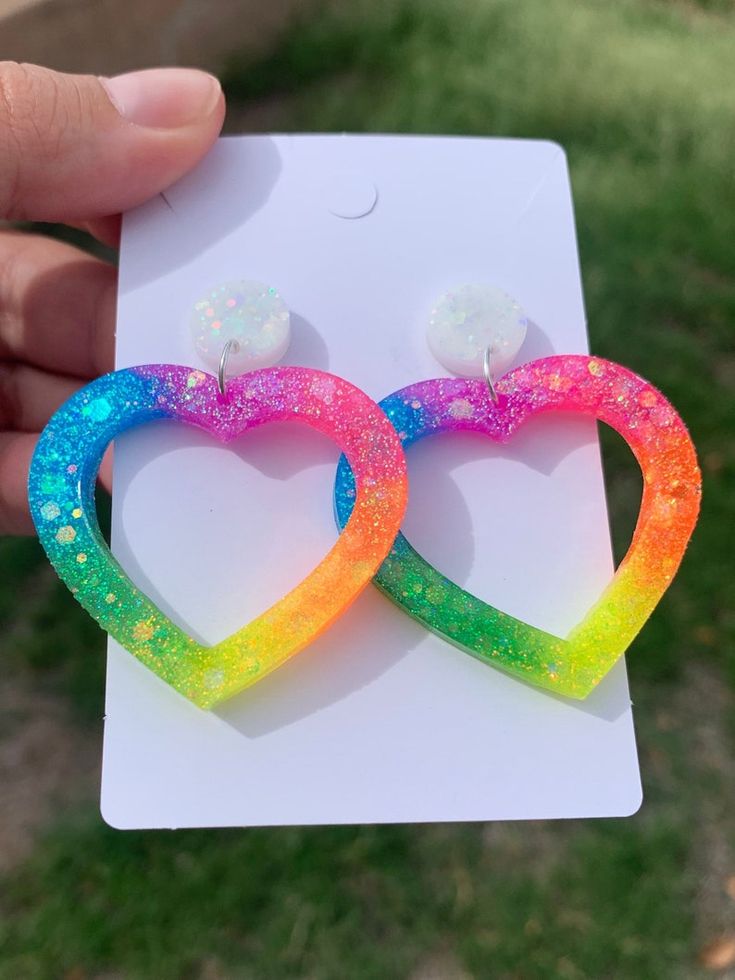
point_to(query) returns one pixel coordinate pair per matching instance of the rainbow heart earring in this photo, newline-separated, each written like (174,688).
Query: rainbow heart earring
(246,325)
(477,331)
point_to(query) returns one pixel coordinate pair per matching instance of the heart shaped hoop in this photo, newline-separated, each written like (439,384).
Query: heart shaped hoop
(669,510)
(61,494)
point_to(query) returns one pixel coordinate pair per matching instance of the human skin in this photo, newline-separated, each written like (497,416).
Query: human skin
(78,150)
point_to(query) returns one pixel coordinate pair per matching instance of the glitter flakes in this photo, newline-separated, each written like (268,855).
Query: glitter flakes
(323,389)
(98,409)
(52,483)
(207,675)
(214,679)
(143,631)
(669,509)
(435,595)
(558,382)
(461,408)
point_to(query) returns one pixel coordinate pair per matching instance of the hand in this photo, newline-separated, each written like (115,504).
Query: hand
(79,150)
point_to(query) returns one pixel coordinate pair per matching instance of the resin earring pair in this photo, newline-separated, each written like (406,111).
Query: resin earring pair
(477,331)
(241,325)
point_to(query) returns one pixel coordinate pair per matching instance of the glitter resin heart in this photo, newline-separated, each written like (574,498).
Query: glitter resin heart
(669,509)
(61,494)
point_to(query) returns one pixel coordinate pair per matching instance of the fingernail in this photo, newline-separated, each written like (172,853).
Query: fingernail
(163,98)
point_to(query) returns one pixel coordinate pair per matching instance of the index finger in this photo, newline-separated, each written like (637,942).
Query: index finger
(57,306)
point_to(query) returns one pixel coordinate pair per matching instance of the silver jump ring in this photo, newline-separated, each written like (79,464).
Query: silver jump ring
(233,347)
(487,371)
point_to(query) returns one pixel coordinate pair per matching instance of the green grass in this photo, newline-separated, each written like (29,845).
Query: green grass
(364,903)
(642,96)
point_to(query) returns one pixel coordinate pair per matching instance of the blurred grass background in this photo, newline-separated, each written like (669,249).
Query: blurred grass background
(641,93)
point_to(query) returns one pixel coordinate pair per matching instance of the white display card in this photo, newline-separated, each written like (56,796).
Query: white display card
(378,720)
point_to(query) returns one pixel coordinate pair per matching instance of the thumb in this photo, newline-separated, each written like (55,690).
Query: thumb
(76,147)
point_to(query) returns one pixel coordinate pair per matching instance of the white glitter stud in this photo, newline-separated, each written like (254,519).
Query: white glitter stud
(468,321)
(250,314)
